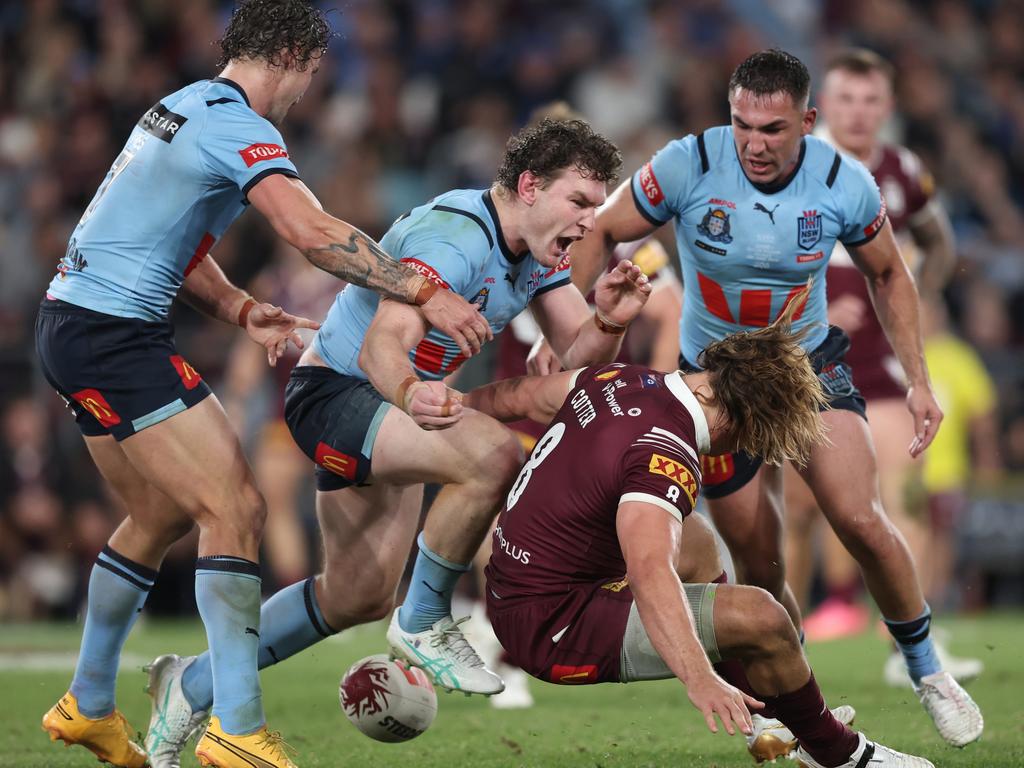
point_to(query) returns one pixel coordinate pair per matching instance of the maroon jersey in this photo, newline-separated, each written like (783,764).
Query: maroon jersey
(907,188)
(624,433)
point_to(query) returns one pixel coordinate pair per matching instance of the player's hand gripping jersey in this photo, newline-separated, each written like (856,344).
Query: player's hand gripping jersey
(179,182)
(746,249)
(456,241)
(624,433)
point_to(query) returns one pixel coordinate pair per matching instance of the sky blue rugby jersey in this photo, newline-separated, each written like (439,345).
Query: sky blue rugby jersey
(179,182)
(746,249)
(456,241)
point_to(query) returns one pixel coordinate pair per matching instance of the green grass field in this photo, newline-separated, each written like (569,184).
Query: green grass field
(645,724)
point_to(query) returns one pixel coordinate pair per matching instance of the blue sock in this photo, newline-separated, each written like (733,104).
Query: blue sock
(430,592)
(228,596)
(915,644)
(117,591)
(291,621)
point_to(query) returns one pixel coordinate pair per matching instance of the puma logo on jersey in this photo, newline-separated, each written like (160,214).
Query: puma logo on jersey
(771,213)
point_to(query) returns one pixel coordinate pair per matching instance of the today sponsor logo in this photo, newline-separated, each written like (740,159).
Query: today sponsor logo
(257,153)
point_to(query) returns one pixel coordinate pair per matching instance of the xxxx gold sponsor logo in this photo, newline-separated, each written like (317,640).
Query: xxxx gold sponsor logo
(607,375)
(676,472)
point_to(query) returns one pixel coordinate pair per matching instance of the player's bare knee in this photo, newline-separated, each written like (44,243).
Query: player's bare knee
(774,626)
(496,459)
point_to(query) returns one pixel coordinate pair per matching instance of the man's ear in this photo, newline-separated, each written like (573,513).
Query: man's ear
(704,393)
(529,185)
(809,121)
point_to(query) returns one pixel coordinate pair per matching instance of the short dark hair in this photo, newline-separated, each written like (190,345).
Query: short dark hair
(553,145)
(262,29)
(773,71)
(861,61)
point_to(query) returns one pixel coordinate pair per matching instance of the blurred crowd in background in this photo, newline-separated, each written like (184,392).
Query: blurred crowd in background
(419,96)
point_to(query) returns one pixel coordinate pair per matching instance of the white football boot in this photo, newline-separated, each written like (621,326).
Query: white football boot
(445,655)
(962,668)
(770,739)
(957,718)
(868,754)
(173,721)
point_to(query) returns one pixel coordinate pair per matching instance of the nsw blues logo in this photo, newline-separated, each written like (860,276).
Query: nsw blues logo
(808,230)
(715,226)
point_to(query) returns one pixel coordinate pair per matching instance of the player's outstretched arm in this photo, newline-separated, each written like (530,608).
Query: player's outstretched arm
(896,302)
(207,289)
(346,252)
(649,538)
(524,397)
(384,357)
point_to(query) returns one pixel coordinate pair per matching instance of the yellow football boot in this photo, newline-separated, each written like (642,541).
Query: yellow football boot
(109,738)
(262,749)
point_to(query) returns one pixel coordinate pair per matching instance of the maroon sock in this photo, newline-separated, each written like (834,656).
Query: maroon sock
(731,670)
(803,711)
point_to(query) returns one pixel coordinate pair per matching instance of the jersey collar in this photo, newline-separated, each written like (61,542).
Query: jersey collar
(232,84)
(676,385)
(511,258)
(775,186)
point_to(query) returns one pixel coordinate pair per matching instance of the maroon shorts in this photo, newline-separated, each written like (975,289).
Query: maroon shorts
(573,638)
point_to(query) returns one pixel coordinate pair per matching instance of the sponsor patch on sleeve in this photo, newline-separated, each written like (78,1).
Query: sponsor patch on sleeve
(649,184)
(676,472)
(876,224)
(257,153)
(427,271)
(561,266)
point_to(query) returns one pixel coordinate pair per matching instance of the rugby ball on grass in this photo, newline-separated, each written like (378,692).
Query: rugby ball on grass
(387,699)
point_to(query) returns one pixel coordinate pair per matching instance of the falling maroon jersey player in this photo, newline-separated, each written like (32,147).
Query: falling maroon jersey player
(907,188)
(556,553)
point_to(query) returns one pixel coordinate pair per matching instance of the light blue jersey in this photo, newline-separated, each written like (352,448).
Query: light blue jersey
(456,241)
(179,182)
(746,249)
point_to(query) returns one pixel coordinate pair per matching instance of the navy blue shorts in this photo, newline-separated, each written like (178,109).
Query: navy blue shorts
(118,375)
(334,419)
(727,473)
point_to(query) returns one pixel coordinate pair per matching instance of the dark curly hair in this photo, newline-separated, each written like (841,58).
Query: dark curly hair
(551,146)
(263,29)
(772,71)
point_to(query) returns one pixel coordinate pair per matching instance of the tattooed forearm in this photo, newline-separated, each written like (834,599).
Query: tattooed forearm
(362,262)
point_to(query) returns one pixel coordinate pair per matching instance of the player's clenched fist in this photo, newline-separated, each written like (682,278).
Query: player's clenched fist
(432,405)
